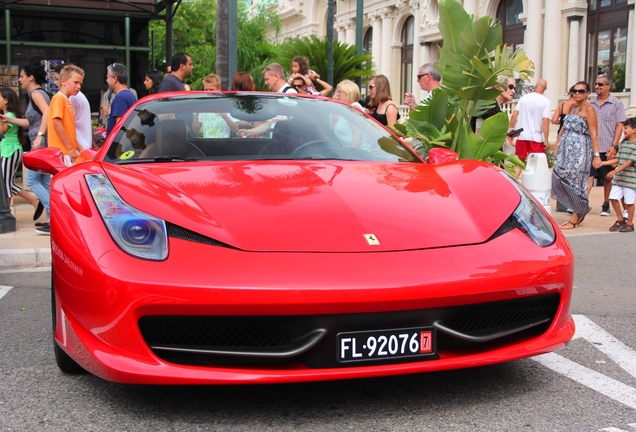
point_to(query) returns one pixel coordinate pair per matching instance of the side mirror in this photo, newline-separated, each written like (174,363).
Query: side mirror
(50,160)
(438,155)
(47,160)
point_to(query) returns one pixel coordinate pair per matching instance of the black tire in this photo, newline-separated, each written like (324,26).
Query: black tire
(63,360)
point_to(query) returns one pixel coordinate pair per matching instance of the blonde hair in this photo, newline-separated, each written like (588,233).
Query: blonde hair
(213,79)
(68,71)
(350,89)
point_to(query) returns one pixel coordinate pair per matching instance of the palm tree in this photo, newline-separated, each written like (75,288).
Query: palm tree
(222,48)
(346,63)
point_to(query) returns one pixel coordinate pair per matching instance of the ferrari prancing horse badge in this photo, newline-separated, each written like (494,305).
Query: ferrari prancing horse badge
(372,239)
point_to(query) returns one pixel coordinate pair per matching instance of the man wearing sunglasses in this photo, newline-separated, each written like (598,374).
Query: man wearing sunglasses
(428,78)
(611,117)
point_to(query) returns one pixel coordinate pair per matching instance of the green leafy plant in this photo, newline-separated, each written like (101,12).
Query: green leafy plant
(472,59)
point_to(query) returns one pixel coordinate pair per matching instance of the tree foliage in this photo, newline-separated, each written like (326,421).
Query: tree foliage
(195,33)
(471,61)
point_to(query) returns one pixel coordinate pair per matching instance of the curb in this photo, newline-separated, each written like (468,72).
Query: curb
(16,259)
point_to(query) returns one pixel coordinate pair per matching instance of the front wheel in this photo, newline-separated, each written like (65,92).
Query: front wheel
(63,360)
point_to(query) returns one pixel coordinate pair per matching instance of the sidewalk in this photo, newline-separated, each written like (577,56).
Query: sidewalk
(27,249)
(24,248)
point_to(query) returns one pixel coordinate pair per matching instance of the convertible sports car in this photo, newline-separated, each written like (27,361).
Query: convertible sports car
(223,238)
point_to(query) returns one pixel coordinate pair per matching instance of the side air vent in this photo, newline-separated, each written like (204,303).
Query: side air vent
(185,234)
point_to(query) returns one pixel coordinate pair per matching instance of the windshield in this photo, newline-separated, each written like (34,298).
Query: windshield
(250,127)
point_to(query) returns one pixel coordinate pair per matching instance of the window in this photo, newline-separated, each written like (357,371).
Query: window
(508,15)
(607,41)
(408,32)
(367,41)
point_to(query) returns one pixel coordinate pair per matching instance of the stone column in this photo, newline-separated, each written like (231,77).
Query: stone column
(342,35)
(425,57)
(386,60)
(470,6)
(376,51)
(417,59)
(350,25)
(630,78)
(533,44)
(552,52)
(574,74)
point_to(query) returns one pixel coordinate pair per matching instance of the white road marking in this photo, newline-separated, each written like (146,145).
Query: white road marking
(618,352)
(590,378)
(4,289)
(613,429)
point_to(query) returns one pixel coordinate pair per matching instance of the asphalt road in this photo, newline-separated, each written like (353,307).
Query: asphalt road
(589,386)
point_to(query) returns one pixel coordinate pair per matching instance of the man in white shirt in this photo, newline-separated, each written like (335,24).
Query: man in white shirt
(532,113)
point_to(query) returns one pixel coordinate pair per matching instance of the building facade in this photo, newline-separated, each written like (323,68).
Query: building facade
(568,40)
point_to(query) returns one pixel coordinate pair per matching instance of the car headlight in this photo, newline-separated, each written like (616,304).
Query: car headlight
(529,217)
(137,233)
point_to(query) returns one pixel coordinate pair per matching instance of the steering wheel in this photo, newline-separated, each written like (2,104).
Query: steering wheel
(322,142)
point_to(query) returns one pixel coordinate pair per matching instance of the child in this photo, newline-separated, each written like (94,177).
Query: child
(624,179)
(213,125)
(61,121)
(300,69)
(10,147)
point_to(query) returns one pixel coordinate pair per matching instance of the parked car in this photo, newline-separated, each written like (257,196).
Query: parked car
(321,247)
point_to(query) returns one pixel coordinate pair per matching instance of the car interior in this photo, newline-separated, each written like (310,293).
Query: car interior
(161,130)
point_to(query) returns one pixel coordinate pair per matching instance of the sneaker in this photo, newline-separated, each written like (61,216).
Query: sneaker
(625,214)
(605,211)
(44,229)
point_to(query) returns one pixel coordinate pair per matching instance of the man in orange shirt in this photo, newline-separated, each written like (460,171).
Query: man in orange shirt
(61,122)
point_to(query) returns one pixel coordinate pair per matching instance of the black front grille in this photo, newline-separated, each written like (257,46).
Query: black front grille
(211,332)
(241,332)
(479,318)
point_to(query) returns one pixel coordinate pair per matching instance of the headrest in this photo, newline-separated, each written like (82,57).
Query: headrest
(172,138)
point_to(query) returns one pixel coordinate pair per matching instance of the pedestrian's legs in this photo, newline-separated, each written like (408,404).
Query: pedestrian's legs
(616,205)
(630,213)
(40,185)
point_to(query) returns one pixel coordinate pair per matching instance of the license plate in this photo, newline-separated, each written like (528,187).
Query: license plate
(385,344)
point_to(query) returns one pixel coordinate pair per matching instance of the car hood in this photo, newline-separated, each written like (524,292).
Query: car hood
(327,206)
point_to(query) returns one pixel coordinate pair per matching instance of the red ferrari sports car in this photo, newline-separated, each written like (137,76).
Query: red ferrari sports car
(221,238)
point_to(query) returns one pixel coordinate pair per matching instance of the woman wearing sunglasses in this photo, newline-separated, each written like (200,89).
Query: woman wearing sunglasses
(381,106)
(576,149)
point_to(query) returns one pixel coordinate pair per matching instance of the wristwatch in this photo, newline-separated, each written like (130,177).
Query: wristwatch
(597,155)
(41,134)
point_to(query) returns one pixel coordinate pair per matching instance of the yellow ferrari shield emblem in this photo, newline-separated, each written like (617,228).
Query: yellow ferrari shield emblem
(372,239)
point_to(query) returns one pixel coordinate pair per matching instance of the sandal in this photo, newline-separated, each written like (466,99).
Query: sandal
(582,218)
(568,225)
(617,226)
(627,228)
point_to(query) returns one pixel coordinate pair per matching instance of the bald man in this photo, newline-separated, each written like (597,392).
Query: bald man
(532,113)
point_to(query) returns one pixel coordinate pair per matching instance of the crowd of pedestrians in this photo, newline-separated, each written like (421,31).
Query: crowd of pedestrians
(588,144)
